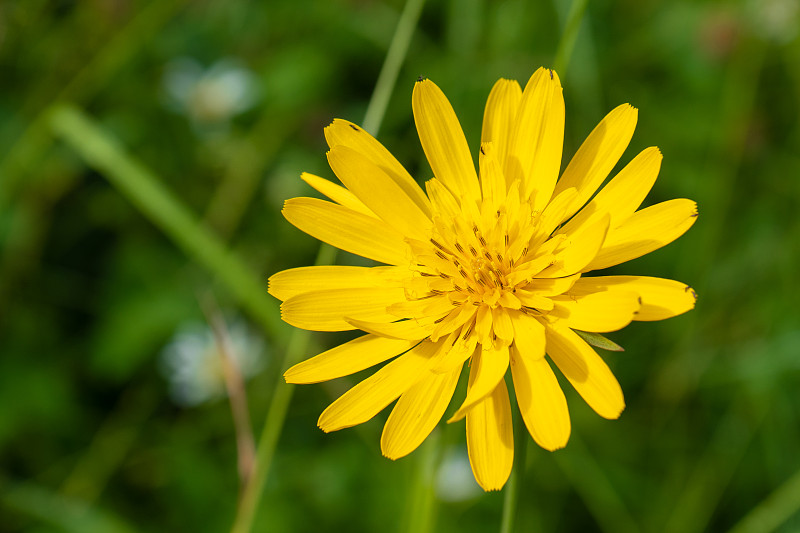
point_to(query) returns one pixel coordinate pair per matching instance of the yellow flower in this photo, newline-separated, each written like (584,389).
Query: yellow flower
(487,271)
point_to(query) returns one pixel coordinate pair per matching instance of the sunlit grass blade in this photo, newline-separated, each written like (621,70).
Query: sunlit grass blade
(714,470)
(298,344)
(774,510)
(65,514)
(569,36)
(146,191)
(391,66)
(595,488)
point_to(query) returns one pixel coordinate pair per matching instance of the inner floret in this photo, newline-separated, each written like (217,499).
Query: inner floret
(479,267)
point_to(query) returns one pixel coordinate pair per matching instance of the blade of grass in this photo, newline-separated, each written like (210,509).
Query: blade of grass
(714,470)
(568,38)
(595,489)
(298,344)
(252,154)
(514,486)
(421,508)
(270,433)
(387,78)
(774,510)
(63,513)
(160,206)
(35,140)
(110,445)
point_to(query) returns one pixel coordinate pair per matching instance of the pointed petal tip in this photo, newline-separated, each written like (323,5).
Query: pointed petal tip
(457,416)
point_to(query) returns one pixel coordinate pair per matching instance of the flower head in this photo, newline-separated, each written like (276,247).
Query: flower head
(486,268)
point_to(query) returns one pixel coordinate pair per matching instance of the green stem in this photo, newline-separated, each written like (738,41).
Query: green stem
(570,35)
(422,498)
(391,66)
(298,344)
(514,485)
(281,397)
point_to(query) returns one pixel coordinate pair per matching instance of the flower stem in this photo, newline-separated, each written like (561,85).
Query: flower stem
(391,66)
(281,397)
(570,35)
(422,498)
(512,489)
(251,493)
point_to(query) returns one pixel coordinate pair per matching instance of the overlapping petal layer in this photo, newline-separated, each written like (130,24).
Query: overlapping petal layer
(486,268)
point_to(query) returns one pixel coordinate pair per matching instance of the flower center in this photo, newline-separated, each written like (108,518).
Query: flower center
(479,265)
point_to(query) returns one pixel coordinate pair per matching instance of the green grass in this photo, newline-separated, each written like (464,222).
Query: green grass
(117,208)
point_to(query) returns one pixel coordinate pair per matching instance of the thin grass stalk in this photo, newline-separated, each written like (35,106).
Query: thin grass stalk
(422,500)
(774,510)
(376,109)
(235,388)
(567,42)
(512,489)
(146,191)
(298,344)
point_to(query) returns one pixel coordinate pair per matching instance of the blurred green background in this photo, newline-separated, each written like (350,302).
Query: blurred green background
(113,415)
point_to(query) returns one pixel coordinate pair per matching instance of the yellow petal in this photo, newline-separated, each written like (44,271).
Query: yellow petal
(493,184)
(499,116)
(533,300)
(528,335)
(326,310)
(578,250)
(416,413)
(337,193)
(379,192)
(346,359)
(661,298)
(369,397)
(442,201)
(645,231)
(501,324)
(553,214)
(454,354)
(457,318)
(599,312)
(443,140)
(541,400)
(434,306)
(551,286)
(294,281)
(483,324)
(597,155)
(347,230)
(530,269)
(342,132)
(486,372)
(534,154)
(490,439)
(625,193)
(587,372)
(403,329)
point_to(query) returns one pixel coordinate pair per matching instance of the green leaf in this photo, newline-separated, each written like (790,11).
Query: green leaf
(597,340)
